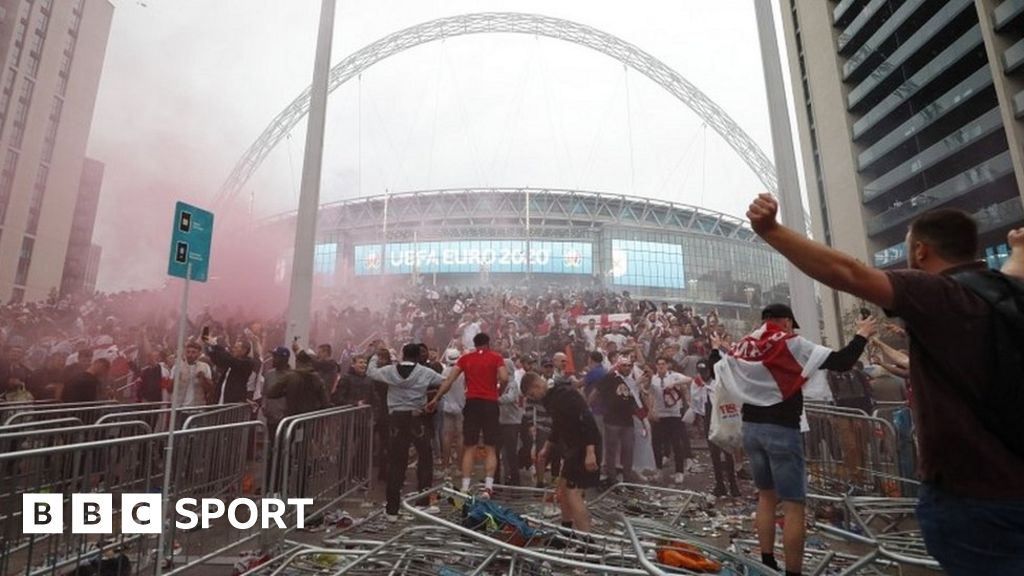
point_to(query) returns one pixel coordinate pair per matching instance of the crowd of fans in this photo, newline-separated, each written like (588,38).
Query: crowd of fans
(641,366)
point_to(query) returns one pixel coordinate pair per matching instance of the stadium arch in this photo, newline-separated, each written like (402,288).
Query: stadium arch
(509,23)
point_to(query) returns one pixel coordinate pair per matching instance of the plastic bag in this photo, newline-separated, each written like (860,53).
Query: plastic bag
(726,417)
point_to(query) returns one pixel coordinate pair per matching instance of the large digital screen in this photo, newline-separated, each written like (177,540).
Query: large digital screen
(654,264)
(473,256)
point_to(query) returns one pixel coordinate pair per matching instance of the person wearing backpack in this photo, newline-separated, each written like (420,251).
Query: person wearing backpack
(966,329)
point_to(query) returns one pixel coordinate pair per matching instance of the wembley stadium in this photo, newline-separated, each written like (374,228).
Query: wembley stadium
(510,237)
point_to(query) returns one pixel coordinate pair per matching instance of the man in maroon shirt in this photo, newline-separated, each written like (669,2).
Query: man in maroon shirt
(971,506)
(486,377)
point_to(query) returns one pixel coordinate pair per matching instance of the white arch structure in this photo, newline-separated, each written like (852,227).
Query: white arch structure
(508,23)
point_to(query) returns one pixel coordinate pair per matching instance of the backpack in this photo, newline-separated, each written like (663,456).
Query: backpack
(999,405)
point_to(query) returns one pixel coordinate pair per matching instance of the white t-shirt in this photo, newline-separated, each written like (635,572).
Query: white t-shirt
(189,392)
(668,394)
(618,339)
(469,331)
(590,335)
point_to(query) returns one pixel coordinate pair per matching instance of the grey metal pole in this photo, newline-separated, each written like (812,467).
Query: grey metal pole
(169,449)
(299,302)
(801,287)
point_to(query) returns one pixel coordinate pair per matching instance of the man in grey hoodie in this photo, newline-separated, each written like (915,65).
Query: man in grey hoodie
(407,396)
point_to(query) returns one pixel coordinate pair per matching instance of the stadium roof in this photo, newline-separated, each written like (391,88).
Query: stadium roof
(506,208)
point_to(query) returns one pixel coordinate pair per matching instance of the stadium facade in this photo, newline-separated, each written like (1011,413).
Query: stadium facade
(571,239)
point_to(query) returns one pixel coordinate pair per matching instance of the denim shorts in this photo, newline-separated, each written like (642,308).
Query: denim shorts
(777,462)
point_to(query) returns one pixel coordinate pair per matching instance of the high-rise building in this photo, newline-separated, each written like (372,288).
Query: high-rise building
(903,106)
(52,54)
(80,246)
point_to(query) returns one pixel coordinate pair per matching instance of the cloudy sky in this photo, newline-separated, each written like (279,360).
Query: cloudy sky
(189,84)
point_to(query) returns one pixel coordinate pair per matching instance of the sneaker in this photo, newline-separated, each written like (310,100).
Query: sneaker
(392,518)
(678,477)
(691,464)
(486,493)
(430,509)
(719,490)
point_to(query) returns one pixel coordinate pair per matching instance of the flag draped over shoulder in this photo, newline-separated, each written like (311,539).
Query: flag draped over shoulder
(770,365)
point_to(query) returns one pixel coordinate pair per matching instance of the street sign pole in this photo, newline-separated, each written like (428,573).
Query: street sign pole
(179,362)
(191,240)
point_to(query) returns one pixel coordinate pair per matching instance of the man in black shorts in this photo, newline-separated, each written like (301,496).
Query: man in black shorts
(486,377)
(573,428)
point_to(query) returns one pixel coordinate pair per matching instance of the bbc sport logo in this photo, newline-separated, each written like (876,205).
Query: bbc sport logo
(94,513)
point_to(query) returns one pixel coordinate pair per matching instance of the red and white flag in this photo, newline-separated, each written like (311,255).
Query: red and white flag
(770,365)
(604,320)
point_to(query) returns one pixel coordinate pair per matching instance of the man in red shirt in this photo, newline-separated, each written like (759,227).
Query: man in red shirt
(486,377)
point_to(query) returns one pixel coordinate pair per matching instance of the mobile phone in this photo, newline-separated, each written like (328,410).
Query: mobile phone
(865,313)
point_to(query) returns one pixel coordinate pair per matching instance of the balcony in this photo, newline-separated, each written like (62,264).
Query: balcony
(940,108)
(938,65)
(1013,58)
(1002,215)
(960,185)
(952,144)
(884,32)
(1007,12)
(911,46)
(858,24)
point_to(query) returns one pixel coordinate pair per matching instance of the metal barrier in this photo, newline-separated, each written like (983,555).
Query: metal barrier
(88,414)
(219,415)
(207,463)
(852,453)
(324,455)
(40,425)
(888,526)
(9,409)
(155,419)
(50,437)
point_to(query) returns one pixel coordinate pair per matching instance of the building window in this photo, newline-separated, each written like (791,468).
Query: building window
(24,260)
(7,181)
(19,34)
(35,209)
(50,140)
(21,112)
(5,96)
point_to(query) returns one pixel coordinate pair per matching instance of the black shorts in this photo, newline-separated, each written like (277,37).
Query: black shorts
(480,416)
(574,469)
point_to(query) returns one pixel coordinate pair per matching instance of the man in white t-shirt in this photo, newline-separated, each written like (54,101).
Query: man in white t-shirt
(668,402)
(470,328)
(196,378)
(590,332)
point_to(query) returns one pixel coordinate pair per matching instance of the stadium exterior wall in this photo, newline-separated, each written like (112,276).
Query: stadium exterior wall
(570,239)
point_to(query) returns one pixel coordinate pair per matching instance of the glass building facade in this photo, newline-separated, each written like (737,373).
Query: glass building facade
(575,240)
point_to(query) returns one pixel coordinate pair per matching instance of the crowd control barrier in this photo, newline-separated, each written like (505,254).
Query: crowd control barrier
(206,464)
(324,455)
(849,452)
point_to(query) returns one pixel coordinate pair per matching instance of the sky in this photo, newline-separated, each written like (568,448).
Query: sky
(188,85)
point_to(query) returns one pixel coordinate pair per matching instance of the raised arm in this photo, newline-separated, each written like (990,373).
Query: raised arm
(830,267)
(1015,265)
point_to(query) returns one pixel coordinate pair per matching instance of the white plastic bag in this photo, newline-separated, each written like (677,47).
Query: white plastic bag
(689,417)
(726,417)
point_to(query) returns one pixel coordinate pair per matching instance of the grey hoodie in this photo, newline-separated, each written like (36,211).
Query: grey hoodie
(407,384)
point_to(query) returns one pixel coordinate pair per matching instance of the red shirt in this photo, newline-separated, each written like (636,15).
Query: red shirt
(481,370)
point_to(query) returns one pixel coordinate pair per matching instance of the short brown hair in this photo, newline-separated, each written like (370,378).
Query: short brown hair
(953,234)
